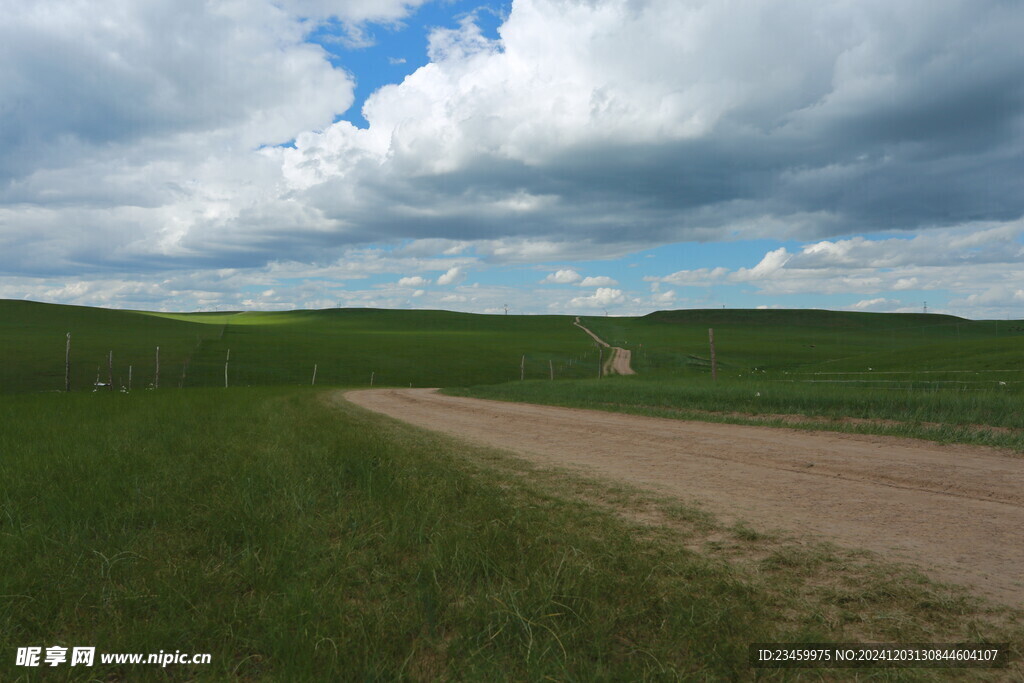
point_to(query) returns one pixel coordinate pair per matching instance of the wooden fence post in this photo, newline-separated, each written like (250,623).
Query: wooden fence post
(372,373)
(227,360)
(129,378)
(110,370)
(600,362)
(714,364)
(156,381)
(522,368)
(67,365)
(551,369)
(313,383)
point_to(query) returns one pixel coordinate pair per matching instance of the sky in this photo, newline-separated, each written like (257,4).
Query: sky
(583,157)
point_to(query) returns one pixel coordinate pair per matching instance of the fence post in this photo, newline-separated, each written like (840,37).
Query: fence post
(600,362)
(156,381)
(522,368)
(372,373)
(67,365)
(551,369)
(714,364)
(129,378)
(227,360)
(313,383)
(110,370)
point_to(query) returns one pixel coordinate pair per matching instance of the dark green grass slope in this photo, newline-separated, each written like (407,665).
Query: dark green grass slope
(441,348)
(422,348)
(33,342)
(398,348)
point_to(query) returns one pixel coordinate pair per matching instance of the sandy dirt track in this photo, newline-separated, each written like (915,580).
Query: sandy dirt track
(621,359)
(957,512)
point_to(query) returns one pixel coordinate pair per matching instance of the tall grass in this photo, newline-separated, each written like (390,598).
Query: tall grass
(293,541)
(298,543)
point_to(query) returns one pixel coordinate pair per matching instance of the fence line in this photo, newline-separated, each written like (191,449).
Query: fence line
(901,372)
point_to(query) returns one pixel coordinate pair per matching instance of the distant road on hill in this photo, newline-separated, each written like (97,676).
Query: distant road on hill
(619,360)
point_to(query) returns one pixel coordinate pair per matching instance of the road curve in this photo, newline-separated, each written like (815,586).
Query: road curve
(620,361)
(957,512)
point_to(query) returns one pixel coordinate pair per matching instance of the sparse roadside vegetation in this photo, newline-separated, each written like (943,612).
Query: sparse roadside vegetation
(295,540)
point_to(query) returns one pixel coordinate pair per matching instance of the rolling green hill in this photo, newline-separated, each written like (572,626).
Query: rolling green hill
(675,343)
(398,348)
(442,348)
(928,376)
(291,539)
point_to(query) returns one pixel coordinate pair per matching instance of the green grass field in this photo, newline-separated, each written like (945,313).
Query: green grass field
(347,346)
(294,538)
(806,344)
(926,376)
(988,416)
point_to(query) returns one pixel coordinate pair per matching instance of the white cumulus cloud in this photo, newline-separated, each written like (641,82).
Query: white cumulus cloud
(453,276)
(604,296)
(566,276)
(598,281)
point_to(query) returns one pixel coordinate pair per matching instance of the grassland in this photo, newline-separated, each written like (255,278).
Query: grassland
(926,348)
(293,540)
(927,376)
(347,346)
(989,417)
(441,348)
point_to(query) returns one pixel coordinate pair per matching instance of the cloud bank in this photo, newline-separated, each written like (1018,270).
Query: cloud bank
(192,136)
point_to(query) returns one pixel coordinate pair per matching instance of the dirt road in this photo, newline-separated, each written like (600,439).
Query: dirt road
(955,511)
(620,359)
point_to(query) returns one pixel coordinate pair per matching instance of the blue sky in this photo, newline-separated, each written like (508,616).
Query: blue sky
(393,51)
(554,156)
